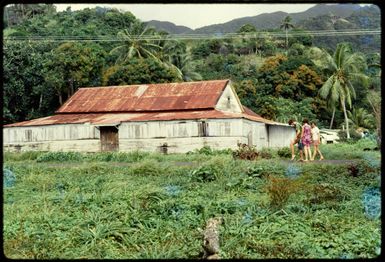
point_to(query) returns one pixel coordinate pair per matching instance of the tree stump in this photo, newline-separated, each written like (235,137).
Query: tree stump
(211,239)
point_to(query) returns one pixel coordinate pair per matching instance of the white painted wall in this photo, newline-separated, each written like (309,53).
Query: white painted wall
(256,132)
(228,101)
(170,129)
(49,133)
(280,136)
(84,145)
(180,136)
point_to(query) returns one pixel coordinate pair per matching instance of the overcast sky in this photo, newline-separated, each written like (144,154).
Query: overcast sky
(195,15)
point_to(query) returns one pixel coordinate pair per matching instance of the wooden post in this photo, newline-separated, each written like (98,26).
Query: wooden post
(211,239)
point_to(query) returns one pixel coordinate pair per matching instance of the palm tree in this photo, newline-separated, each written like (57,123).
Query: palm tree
(360,118)
(138,41)
(185,69)
(346,68)
(286,24)
(174,55)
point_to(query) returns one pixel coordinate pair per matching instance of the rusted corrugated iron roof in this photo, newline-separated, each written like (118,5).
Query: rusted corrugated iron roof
(249,111)
(151,97)
(116,118)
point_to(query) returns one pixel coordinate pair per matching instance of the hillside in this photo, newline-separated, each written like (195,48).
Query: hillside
(319,17)
(169,27)
(262,21)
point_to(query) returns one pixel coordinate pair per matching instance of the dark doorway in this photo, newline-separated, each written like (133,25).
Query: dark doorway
(109,138)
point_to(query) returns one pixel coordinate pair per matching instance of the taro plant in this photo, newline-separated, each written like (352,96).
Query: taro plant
(203,174)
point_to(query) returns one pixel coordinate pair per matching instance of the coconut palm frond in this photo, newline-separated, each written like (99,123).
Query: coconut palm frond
(325,89)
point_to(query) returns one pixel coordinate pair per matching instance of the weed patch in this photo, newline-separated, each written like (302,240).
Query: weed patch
(147,205)
(60,157)
(245,152)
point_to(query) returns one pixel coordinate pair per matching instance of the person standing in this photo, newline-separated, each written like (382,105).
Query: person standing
(296,140)
(316,140)
(306,139)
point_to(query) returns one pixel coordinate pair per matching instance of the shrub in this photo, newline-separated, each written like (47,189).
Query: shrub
(245,152)
(354,136)
(279,190)
(284,152)
(60,156)
(266,153)
(206,150)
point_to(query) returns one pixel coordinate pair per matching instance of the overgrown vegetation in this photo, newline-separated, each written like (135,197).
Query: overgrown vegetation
(147,205)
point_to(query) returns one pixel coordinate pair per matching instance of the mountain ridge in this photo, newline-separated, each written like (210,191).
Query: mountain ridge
(261,21)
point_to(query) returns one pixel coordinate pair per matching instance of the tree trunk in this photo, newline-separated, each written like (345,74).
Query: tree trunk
(346,119)
(286,39)
(331,121)
(60,99)
(40,101)
(71,91)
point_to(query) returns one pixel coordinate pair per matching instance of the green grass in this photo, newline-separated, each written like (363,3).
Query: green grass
(147,205)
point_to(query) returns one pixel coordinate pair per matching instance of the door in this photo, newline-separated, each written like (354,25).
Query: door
(109,138)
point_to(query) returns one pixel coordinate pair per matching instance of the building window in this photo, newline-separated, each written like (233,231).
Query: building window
(203,128)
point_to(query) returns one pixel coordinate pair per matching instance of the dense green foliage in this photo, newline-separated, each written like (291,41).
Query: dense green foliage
(278,78)
(61,205)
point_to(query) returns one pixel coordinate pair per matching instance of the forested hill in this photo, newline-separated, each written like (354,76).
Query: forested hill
(169,27)
(48,55)
(331,17)
(273,20)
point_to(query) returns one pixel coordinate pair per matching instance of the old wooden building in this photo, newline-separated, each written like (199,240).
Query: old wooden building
(173,117)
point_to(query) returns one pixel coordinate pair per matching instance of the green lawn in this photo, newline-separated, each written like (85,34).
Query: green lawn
(147,205)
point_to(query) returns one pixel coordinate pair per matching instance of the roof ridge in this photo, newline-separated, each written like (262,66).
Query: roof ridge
(154,84)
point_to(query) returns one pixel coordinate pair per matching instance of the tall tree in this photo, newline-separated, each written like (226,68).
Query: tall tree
(176,57)
(347,68)
(286,24)
(138,41)
(72,65)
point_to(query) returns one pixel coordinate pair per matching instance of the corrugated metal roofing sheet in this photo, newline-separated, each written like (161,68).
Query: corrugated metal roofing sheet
(152,97)
(116,118)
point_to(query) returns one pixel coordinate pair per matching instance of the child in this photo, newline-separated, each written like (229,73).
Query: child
(296,139)
(316,140)
(306,138)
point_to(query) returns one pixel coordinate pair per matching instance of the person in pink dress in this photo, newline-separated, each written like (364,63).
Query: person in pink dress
(306,139)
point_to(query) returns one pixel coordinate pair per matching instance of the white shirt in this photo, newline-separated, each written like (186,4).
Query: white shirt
(315,133)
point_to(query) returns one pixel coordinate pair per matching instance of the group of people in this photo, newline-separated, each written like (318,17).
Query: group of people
(304,137)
